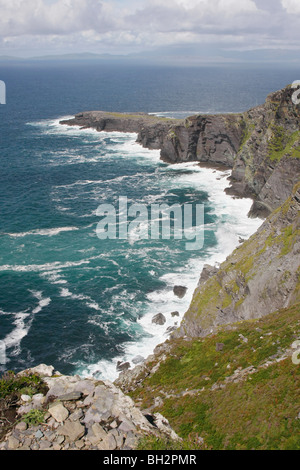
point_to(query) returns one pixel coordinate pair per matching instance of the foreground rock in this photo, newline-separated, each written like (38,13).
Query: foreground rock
(81,414)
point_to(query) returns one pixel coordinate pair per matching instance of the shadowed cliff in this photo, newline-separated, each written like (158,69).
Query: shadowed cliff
(262,145)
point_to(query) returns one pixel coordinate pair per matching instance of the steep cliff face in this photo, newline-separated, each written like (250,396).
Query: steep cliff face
(267,165)
(258,278)
(213,139)
(152,130)
(262,145)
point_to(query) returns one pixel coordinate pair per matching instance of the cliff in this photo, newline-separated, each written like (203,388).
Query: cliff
(261,276)
(230,366)
(262,145)
(152,130)
(235,389)
(228,378)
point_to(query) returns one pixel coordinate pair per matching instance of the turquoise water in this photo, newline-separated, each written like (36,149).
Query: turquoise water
(66,297)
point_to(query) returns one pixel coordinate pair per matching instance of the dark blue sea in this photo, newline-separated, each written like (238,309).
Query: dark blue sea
(68,298)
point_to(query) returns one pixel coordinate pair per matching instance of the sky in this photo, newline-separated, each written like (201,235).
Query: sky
(193,30)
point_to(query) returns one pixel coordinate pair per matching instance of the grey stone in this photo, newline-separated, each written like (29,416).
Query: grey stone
(76,415)
(38,401)
(59,412)
(121,366)
(170,329)
(72,430)
(109,443)
(131,441)
(56,447)
(126,426)
(79,444)
(39,434)
(98,431)
(159,319)
(175,314)
(180,291)
(27,442)
(119,437)
(207,272)
(96,434)
(13,443)
(45,445)
(60,440)
(26,398)
(71,396)
(86,387)
(43,370)
(88,400)
(138,359)
(21,426)
(24,409)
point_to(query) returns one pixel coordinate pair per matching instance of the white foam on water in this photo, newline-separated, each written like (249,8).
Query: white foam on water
(54,277)
(232,224)
(50,232)
(56,265)
(22,322)
(43,302)
(64,292)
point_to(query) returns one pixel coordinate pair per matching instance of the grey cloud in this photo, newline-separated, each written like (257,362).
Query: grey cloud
(127,26)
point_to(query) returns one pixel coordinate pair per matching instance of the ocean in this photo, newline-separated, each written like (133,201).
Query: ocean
(67,298)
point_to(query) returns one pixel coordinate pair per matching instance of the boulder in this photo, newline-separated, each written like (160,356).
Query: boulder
(159,319)
(175,314)
(138,359)
(72,430)
(170,329)
(121,366)
(58,412)
(180,291)
(207,272)
(42,370)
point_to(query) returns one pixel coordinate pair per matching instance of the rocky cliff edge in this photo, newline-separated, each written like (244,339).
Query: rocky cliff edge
(261,146)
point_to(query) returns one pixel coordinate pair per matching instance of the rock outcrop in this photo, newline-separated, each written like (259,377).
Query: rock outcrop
(258,278)
(152,130)
(81,414)
(261,146)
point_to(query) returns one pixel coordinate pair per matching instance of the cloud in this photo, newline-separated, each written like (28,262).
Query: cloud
(291,6)
(125,26)
(19,17)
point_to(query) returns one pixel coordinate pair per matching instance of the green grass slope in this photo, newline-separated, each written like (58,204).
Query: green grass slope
(236,389)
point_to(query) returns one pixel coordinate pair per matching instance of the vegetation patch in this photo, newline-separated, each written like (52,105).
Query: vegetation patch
(232,389)
(281,144)
(12,386)
(247,132)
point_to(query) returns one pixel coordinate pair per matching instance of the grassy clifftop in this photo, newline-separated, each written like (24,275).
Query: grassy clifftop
(228,378)
(235,389)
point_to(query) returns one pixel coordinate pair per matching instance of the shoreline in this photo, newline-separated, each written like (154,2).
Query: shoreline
(219,175)
(212,179)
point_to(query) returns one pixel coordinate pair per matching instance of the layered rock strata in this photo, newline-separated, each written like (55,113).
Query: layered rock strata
(261,146)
